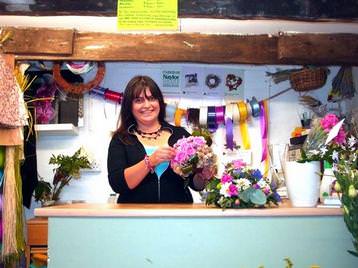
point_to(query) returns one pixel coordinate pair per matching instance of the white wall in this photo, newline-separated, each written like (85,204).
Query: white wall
(101,118)
(221,26)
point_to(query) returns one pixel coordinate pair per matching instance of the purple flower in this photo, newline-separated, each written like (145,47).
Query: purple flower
(232,191)
(276,196)
(267,190)
(256,186)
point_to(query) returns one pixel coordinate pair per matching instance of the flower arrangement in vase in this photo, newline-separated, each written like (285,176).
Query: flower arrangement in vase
(303,177)
(68,168)
(241,187)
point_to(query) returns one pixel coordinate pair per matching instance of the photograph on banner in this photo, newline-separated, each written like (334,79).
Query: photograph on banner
(192,81)
(214,82)
(234,84)
(170,80)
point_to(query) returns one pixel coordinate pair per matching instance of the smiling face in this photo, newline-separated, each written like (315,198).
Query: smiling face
(145,109)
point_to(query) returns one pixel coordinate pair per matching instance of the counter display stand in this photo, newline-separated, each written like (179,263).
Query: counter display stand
(148,235)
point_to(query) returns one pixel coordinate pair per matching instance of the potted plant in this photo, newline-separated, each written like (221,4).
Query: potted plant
(68,168)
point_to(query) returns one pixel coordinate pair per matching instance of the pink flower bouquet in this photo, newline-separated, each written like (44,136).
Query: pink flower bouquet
(194,156)
(316,146)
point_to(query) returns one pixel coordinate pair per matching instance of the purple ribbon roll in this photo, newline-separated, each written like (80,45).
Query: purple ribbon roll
(229,133)
(220,114)
(263,126)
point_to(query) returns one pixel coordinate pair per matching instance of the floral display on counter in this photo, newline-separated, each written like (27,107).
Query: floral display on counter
(241,187)
(321,143)
(194,156)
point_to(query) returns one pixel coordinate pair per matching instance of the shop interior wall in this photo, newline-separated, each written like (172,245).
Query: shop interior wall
(100,119)
(100,116)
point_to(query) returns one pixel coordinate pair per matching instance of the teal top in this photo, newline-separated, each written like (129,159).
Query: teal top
(159,169)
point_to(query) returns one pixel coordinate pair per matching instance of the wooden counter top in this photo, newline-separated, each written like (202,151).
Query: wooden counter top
(177,210)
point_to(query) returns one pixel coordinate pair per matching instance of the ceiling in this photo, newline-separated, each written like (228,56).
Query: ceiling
(322,10)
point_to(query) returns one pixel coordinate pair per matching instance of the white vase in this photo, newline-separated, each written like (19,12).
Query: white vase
(303,183)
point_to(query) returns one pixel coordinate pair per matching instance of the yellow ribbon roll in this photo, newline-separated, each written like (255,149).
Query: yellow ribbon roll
(243,125)
(178,115)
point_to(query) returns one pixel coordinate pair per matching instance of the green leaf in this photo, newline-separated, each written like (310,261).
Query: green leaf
(258,197)
(245,195)
(353,253)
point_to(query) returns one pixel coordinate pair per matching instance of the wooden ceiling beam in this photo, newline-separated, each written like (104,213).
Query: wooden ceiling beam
(321,49)
(318,48)
(39,41)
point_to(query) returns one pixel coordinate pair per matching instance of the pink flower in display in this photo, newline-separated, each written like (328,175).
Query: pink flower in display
(341,137)
(329,121)
(226,178)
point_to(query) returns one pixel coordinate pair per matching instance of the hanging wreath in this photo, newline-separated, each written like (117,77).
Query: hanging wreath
(212,81)
(78,88)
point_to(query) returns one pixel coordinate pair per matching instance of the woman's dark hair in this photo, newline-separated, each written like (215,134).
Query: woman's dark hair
(134,88)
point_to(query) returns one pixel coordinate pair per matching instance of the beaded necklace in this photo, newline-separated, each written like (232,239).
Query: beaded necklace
(149,135)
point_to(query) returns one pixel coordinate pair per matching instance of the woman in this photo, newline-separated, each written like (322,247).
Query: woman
(140,150)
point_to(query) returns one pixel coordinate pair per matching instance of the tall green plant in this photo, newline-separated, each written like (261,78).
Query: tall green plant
(68,168)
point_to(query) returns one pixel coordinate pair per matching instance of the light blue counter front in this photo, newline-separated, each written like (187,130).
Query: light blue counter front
(182,239)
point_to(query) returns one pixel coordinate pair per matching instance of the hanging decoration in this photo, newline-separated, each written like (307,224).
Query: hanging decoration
(46,93)
(342,85)
(229,110)
(233,81)
(212,81)
(9,109)
(179,113)
(78,88)
(264,134)
(12,214)
(243,124)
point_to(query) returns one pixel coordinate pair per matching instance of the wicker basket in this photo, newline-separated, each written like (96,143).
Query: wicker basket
(308,79)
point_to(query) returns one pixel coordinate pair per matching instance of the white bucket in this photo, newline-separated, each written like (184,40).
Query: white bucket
(303,183)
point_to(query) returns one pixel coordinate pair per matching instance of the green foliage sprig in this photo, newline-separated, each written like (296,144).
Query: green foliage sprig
(68,168)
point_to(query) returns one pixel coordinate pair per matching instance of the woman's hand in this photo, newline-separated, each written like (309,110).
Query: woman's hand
(162,154)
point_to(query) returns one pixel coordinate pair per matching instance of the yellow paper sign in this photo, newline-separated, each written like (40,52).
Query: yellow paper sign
(147,14)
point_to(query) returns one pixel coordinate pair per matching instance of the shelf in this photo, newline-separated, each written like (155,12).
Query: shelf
(91,170)
(56,129)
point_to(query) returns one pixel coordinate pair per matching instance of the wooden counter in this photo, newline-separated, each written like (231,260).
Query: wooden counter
(177,210)
(148,235)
